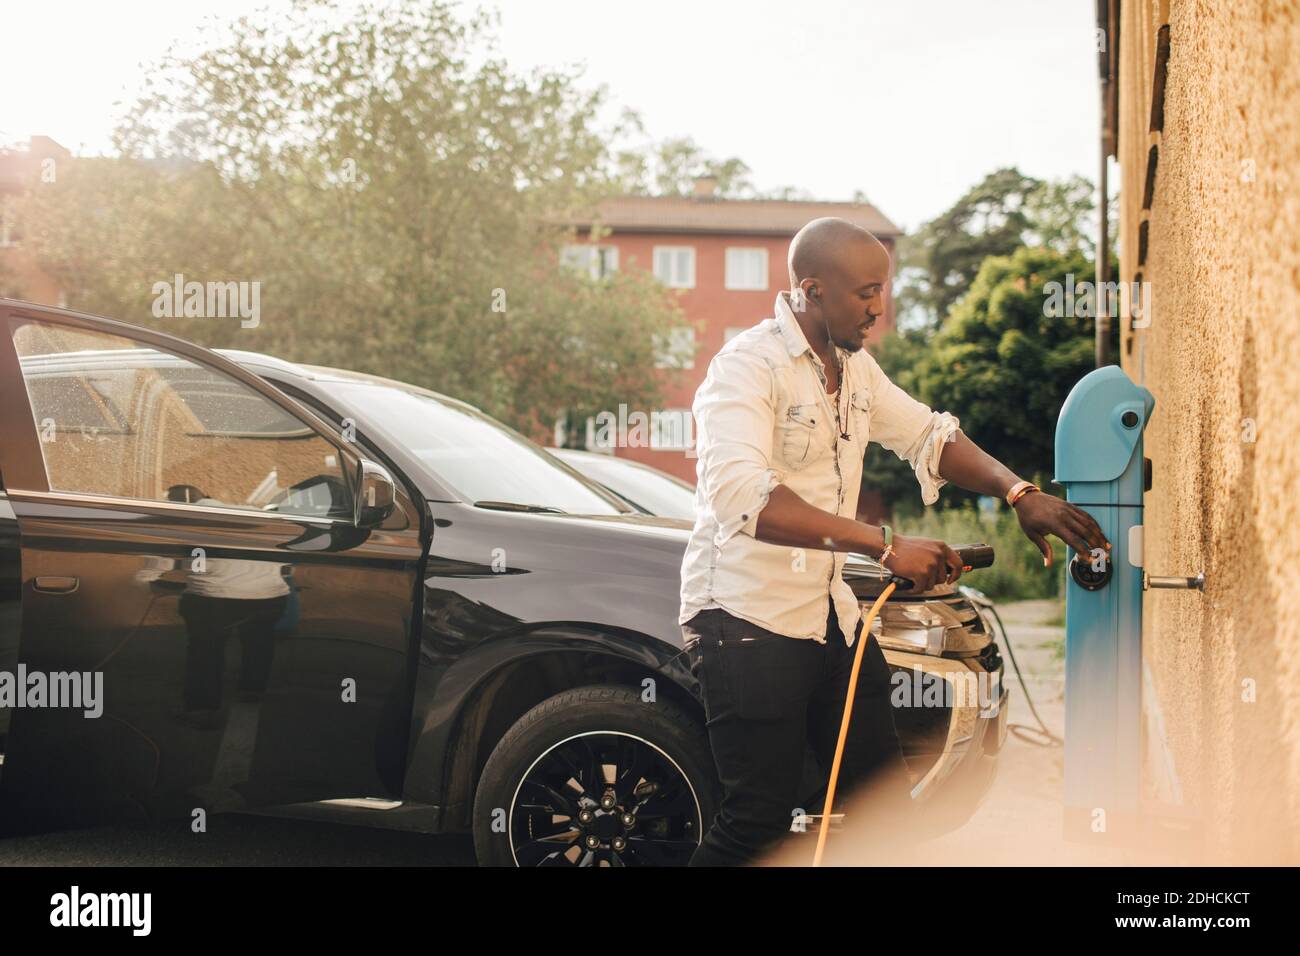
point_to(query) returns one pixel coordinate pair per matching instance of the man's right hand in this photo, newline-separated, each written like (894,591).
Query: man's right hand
(924,561)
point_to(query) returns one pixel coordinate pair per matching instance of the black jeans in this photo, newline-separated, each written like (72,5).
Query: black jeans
(768,696)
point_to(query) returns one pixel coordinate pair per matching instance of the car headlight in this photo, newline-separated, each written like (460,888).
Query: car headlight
(914,625)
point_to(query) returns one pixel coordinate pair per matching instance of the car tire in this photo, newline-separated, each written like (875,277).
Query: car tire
(557,761)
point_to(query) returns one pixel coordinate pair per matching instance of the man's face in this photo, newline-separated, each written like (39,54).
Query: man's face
(853,293)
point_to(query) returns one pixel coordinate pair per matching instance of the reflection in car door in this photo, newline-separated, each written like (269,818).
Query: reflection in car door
(191,569)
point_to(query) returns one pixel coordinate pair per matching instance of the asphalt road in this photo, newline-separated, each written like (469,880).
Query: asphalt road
(237,840)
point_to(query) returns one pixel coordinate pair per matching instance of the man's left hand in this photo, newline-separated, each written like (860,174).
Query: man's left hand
(1042,514)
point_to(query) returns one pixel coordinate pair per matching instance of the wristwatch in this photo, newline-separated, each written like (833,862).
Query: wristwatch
(889,544)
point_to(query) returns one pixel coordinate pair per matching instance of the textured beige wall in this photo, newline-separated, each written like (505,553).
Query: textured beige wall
(1223,347)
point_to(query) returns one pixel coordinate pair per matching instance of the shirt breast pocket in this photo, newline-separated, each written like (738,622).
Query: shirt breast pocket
(860,409)
(798,435)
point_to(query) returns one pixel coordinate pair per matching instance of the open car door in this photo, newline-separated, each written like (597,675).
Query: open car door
(211,611)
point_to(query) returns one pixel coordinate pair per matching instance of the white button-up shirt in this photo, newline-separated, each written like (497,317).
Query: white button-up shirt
(763,418)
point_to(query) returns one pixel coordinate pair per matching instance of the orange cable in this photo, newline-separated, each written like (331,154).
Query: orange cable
(844,723)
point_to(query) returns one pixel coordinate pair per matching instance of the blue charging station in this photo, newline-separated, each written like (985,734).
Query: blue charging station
(1099,460)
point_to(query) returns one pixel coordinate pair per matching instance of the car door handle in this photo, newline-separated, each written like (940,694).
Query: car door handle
(55,585)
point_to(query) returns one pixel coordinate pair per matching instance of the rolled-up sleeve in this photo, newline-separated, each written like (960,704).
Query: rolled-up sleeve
(911,430)
(735,413)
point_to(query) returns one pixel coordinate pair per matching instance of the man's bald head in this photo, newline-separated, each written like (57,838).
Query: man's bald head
(819,247)
(841,271)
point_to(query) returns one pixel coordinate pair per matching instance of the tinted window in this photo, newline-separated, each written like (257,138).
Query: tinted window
(127,421)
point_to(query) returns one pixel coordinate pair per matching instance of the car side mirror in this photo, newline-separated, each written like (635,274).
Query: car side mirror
(376,495)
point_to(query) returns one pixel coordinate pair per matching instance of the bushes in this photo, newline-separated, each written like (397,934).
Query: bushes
(1018,572)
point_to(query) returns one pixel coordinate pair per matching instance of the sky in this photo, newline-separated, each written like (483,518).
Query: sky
(911,101)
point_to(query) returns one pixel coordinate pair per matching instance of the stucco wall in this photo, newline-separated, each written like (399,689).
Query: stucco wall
(1222,357)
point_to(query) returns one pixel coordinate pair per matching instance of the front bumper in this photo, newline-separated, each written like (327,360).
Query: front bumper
(951,717)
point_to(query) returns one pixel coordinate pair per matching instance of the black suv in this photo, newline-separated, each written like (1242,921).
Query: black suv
(347,597)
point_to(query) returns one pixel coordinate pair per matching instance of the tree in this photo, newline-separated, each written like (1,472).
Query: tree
(898,356)
(670,168)
(1007,217)
(1063,216)
(1003,364)
(399,195)
(1001,213)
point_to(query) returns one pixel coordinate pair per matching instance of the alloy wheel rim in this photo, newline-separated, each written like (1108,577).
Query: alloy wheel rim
(604,798)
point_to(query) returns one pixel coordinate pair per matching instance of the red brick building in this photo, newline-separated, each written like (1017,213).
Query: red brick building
(727,259)
(22,169)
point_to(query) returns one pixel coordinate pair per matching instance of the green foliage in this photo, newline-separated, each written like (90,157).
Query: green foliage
(898,355)
(1017,572)
(1001,360)
(1002,212)
(1002,364)
(1063,216)
(974,338)
(397,191)
(669,168)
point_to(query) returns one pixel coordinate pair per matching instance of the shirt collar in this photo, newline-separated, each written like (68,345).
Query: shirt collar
(795,341)
(792,334)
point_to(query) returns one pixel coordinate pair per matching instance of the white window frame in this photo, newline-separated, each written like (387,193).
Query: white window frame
(670,276)
(734,280)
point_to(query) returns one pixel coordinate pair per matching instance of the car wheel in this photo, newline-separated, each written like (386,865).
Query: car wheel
(596,777)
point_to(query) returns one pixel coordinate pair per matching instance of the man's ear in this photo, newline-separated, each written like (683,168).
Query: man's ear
(807,292)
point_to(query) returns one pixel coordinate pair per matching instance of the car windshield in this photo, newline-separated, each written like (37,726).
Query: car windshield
(480,458)
(654,491)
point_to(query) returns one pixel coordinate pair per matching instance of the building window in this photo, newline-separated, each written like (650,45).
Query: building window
(672,429)
(676,349)
(596,261)
(675,266)
(746,268)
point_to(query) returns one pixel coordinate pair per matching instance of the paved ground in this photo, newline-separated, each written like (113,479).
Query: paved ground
(237,840)
(1018,823)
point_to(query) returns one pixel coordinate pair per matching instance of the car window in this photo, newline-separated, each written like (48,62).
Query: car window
(477,456)
(121,419)
(657,493)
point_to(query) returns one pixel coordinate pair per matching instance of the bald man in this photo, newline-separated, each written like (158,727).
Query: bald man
(783,419)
